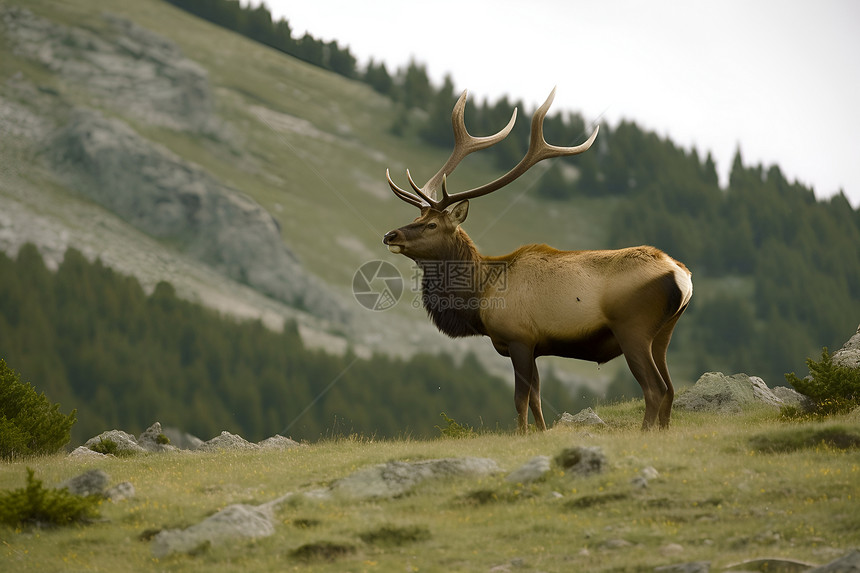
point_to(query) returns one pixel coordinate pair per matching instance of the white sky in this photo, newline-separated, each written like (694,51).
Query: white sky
(779,78)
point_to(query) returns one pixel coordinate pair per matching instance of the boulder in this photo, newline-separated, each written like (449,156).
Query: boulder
(849,354)
(83,452)
(718,392)
(532,470)
(93,482)
(232,522)
(153,440)
(395,478)
(791,397)
(227,441)
(125,442)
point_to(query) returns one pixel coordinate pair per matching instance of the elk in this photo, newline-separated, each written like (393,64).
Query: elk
(539,301)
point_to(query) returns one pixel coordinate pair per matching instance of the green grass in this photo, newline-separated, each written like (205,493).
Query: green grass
(718,495)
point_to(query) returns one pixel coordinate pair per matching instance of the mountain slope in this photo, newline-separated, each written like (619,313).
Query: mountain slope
(112,109)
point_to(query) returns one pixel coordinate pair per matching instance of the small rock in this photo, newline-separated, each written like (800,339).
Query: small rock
(84,452)
(692,567)
(586,417)
(639,482)
(649,473)
(227,441)
(582,460)
(121,491)
(92,482)
(279,442)
(771,566)
(532,470)
(671,549)
(615,544)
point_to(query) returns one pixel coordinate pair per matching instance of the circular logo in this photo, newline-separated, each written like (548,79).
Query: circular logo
(377,285)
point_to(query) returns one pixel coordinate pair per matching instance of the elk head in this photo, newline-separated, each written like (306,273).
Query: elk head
(430,236)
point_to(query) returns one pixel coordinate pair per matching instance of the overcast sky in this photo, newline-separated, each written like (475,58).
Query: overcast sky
(780,79)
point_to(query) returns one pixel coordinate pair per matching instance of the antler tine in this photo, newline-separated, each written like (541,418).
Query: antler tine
(418,190)
(403,194)
(538,150)
(464,143)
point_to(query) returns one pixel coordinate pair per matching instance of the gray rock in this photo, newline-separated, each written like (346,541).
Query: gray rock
(152,440)
(691,567)
(846,564)
(83,452)
(717,392)
(849,354)
(227,441)
(586,417)
(639,482)
(93,482)
(121,491)
(771,566)
(532,470)
(125,67)
(279,442)
(125,442)
(649,473)
(172,200)
(582,460)
(791,397)
(396,478)
(182,440)
(232,522)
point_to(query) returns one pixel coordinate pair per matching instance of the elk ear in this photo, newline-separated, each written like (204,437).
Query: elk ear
(459,211)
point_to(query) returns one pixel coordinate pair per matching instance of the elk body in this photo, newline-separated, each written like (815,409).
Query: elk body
(539,301)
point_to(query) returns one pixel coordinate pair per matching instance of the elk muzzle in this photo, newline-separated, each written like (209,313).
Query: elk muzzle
(389,239)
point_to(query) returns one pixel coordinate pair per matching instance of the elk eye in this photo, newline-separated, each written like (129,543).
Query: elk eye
(431,225)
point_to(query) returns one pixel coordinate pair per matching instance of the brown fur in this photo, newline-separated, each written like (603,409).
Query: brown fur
(590,305)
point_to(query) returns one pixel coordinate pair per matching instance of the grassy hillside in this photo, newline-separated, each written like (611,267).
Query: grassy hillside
(309,146)
(720,497)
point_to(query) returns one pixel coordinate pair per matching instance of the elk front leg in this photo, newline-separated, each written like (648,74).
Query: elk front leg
(526,386)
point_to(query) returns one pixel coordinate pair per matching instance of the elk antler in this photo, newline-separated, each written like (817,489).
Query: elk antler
(464,144)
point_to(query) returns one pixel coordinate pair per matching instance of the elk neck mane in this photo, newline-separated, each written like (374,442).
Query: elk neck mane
(449,288)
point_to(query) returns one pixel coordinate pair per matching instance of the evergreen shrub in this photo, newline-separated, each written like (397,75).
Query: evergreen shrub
(29,424)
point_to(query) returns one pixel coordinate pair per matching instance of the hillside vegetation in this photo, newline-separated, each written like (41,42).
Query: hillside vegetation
(176,152)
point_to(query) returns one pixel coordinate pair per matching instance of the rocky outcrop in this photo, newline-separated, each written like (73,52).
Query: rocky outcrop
(849,355)
(396,478)
(718,392)
(175,201)
(129,76)
(126,68)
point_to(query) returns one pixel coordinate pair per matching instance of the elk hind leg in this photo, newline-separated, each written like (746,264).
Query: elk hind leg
(659,348)
(641,363)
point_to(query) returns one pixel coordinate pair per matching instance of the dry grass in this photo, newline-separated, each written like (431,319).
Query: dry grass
(718,498)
